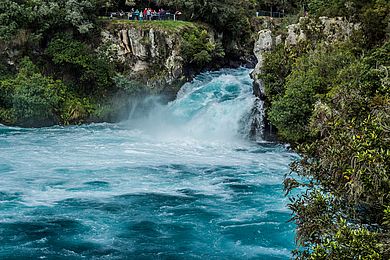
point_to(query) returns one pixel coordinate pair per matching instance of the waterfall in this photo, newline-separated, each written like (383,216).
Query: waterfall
(217,106)
(253,122)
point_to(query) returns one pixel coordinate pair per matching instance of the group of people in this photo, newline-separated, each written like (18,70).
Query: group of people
(147,14)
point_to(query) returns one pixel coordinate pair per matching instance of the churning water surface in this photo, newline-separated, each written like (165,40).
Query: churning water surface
(182,182)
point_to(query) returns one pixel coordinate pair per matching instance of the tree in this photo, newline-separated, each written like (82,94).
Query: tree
(230,16)
(36,99)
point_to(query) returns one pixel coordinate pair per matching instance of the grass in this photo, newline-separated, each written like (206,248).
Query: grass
(167,25)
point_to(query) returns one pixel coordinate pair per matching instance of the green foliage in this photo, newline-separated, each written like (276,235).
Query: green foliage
(198,49)
(78,14)
(229,16)
(288,6)
(6,95)
(373,15)
(311,76)
(76,58)
(76,110)
(346,167)
(333,103)
(386,217)
(40,18)
(277,66)
(6,91)
(10,17)
(7,116)
(327,8)
(34,98)
(29,27)
(348,243)
(5,68)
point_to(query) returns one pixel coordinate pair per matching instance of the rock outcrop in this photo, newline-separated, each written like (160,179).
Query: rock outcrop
(150,56)
(307,30)
(264,44)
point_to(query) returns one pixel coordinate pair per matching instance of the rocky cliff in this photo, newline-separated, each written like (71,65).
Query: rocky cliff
(150,55)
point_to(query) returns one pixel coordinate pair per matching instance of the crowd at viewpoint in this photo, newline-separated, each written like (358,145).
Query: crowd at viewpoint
(147,14)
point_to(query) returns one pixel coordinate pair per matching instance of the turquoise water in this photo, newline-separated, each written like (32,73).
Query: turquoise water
(179,181)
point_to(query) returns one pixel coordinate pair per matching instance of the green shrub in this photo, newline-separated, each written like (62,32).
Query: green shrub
(349,243)
(76,110)
(10,18)
(348,163)
(198,49)
(372,15)
(228,16)
(312,77)
(7,116)
(36,99)
(277,66)
(93,74)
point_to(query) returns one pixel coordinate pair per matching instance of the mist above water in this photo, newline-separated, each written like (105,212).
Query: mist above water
(216,106)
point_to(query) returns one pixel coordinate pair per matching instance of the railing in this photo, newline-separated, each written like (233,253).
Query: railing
(134,16)
(174,17)
(270,14)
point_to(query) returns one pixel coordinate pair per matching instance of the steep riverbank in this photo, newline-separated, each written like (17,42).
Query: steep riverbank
(325,86)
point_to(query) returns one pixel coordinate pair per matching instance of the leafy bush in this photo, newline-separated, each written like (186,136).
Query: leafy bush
(311,78)
(348,243)
(334,104)
(229,16)
(76,110)
(77,59)
(10,17)
(373,15)
(277,66)
(35,99)
(346,167)
(198,48)
(31,99)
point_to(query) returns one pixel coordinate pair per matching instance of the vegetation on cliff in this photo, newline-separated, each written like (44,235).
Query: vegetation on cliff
(69,80)
(332,102)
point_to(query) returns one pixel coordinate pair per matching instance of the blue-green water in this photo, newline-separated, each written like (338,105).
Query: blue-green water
(181,182)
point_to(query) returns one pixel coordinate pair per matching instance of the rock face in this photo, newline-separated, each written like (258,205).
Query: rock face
(306,30)
(149,56)
(264,44)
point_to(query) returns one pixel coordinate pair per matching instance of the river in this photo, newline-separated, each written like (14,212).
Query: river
(179,181)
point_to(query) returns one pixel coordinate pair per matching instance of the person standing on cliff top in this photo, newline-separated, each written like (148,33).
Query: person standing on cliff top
(145,12)
(141,17)
(149,14)
(136,14)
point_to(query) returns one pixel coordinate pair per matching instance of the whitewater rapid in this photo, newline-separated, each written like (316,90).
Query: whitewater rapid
(176,181)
